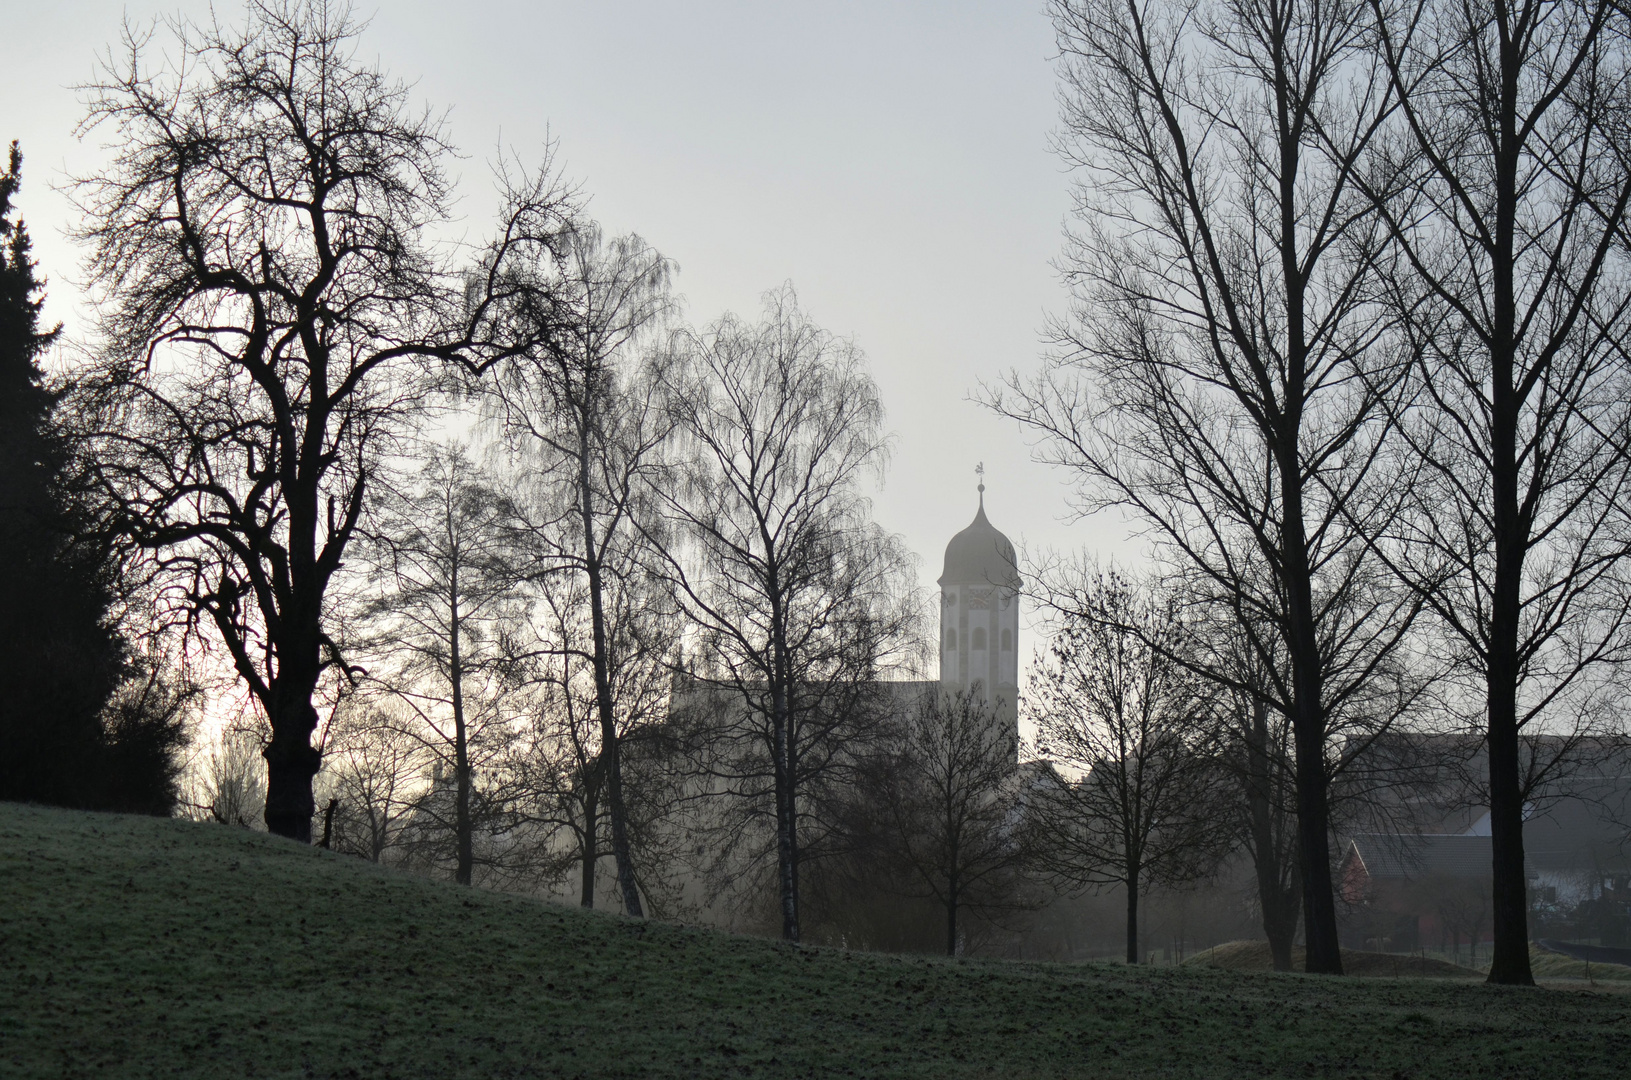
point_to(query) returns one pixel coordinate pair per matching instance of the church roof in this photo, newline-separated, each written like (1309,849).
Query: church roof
(980,554)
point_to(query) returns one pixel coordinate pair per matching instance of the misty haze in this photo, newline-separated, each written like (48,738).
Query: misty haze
(895,539)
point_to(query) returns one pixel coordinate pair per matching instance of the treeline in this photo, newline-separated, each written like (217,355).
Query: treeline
(518,575)
(1349,341)
(438,529)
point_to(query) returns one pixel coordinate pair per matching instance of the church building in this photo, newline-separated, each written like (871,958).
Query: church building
(978,601)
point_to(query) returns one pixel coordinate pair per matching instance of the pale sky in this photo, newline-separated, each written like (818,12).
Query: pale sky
(889,158)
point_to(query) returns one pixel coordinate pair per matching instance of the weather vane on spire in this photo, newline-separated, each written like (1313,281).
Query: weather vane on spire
(979,471)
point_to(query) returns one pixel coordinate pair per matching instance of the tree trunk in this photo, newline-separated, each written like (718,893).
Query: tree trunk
(1279,887)
(1510,963)
(463,842)
(1133,955)
(591,851)
(1510,909)
(1282,905)
(1308,733)
(621,853)
(328,825)
(1280,927)
(951,915)
(786,840)
(611,753)
(784,859)
(1323,950)
(291,760)
(1511,902)
(784,764)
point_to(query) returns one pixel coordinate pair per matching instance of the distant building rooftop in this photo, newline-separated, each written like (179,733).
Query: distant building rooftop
(1411,856)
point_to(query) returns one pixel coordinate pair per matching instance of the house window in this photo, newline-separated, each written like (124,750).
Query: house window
(1007,641)
(979,638)
(951,637)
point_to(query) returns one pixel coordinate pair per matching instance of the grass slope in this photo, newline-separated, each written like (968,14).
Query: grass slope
(1551,965)
(143,948)
(1256,956)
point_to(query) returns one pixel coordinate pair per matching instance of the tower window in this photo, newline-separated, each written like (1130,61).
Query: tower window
(979,638)
(951,637)
(1007,641)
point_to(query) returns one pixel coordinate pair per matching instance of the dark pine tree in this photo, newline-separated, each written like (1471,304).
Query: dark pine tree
(61,656)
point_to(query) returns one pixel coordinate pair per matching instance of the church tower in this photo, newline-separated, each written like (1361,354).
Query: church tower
(979,616)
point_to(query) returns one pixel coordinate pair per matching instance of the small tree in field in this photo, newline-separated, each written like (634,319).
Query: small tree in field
(953,810)
(374,764)
(271,301)
(1136,803)
(229,785)
(444,560)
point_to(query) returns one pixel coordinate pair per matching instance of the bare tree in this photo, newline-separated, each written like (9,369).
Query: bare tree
(561,760)
(1220,376)
(565,758)
(1255,748)
(374,769)
(444,559)
(1138,803)
(800,601)
(229,785)
(1386,747)
(1507,201)
(271,301)
(952,803)
(580,411)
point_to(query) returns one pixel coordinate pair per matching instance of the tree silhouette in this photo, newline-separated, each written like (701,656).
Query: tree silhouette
(271,309)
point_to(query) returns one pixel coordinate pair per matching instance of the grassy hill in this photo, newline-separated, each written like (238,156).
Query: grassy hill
(134,947)
(1551,965)
(1255,956)
(1548,967)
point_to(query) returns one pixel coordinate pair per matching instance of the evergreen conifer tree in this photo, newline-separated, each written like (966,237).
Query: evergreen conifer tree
(61,656)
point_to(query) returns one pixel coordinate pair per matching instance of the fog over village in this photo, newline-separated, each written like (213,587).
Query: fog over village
(850,539)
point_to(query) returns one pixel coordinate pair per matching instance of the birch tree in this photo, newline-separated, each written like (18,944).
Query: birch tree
(799,601)
(580,412)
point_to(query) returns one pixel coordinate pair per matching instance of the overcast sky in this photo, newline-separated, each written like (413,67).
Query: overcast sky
(888,158)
